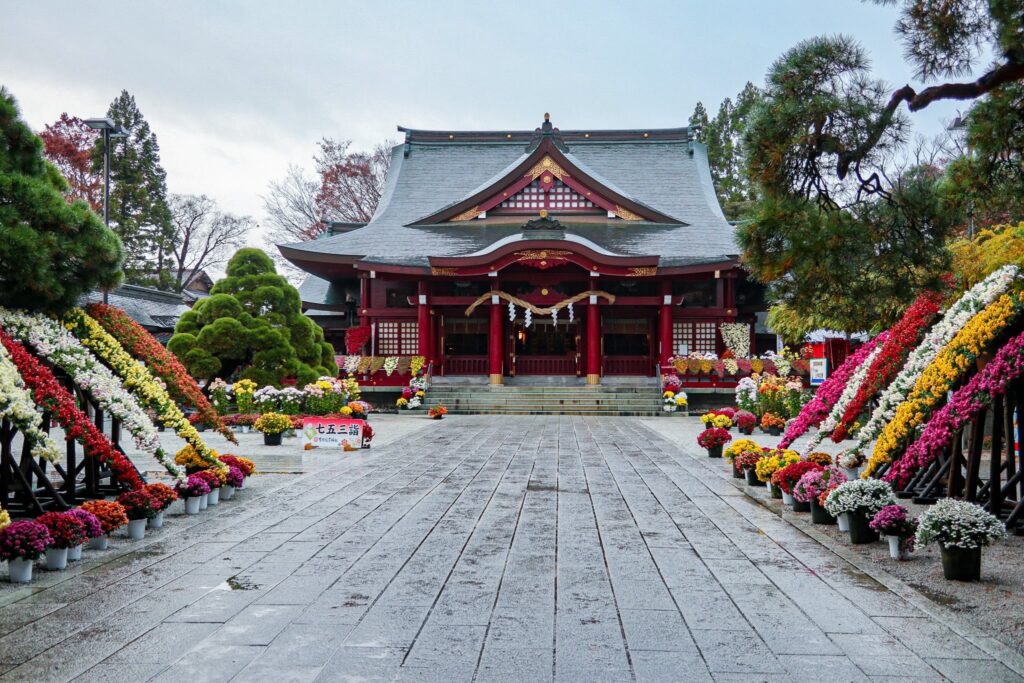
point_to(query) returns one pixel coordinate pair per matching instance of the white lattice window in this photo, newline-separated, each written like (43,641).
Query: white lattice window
(694,337)
(533,196)
(395,338)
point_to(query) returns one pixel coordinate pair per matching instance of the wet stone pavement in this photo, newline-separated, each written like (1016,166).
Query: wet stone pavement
(488,549)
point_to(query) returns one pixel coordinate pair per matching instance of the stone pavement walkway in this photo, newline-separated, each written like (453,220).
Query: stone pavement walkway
(486,548)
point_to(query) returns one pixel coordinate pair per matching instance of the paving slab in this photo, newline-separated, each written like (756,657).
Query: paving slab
(486,548)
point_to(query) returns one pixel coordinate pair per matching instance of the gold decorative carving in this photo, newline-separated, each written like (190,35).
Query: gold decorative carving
(539,254)
(547,164)
(645,271)
(626,214)
(468,215)
(443,271)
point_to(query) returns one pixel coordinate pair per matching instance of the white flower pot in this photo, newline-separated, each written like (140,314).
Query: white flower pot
(157,521)
(843,521)
(99,543)
(214,497)
(895,552)
(75,554)
(204,501)
(19,570)
(768,485)
(56,559)
(193,505)
(787,498)
(227,492)
(137,529)
(851,473)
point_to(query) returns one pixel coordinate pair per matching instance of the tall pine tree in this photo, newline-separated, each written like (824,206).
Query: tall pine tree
(723,136)
(139,213)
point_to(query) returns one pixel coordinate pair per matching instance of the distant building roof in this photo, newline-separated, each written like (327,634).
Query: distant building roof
(154,309)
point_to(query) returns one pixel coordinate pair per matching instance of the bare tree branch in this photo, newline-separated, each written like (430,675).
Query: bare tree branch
(205,236)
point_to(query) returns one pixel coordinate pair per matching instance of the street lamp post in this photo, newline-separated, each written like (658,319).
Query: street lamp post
(110,130)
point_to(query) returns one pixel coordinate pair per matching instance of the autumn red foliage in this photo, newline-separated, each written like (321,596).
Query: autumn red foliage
(68,144)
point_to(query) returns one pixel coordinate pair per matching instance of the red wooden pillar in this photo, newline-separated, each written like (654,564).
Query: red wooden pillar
(364,301)
(496,346)
(665,324)
(593,342)
(423,321)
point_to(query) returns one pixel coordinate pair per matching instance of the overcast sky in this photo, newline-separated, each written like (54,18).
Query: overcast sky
(236,91)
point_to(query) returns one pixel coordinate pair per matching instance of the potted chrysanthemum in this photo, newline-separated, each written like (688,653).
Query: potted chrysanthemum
(786,479)
(713,439)
(747,461)
(745,421)
(812,485)
(93,529)
(112,517)
(140,506)
(961,529)
(66,532)
(233,480)
(273,425)
(21,544)
(895,524)
(851,462)
(212,480)
(734,450)
(860,500)
(192,491)
(164,495)
(774,461)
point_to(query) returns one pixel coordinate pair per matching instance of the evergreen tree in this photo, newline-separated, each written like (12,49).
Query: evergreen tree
(139,213)
(252,322)
(723,136)
(51,251)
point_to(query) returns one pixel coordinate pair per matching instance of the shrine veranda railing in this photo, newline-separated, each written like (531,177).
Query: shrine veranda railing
(31,486)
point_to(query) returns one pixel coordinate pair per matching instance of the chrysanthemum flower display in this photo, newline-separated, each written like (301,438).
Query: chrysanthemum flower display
(937,379)
(54,343)
(828,393)
(773,461)
(151,392)
(137,341)
(16,405)
(50,395)
(955,317)
(66,530)
(966,402)
(848,393)
(888,360)
(111,514)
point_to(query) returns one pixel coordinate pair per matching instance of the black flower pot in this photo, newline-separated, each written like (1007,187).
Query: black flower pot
(200,428)
(748,431)
(715,451)
(272,439)
(776,492)
(800,506)
(819,515)
(737,473)
(752,479)
(774,431)
(961,564)
(860,531)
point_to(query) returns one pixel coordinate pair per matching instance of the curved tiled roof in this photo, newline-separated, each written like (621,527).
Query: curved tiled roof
(432,170)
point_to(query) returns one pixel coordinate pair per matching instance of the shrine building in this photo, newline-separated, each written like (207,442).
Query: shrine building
(504,254)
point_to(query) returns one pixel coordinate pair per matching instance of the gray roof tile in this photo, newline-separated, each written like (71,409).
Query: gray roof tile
(662,174)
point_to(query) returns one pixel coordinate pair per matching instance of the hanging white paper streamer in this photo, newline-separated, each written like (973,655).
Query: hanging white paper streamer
(572,314)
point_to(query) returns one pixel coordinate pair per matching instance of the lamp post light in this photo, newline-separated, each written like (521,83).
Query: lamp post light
(110,130)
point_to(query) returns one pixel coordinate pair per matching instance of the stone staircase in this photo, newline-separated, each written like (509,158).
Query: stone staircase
(606,401)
